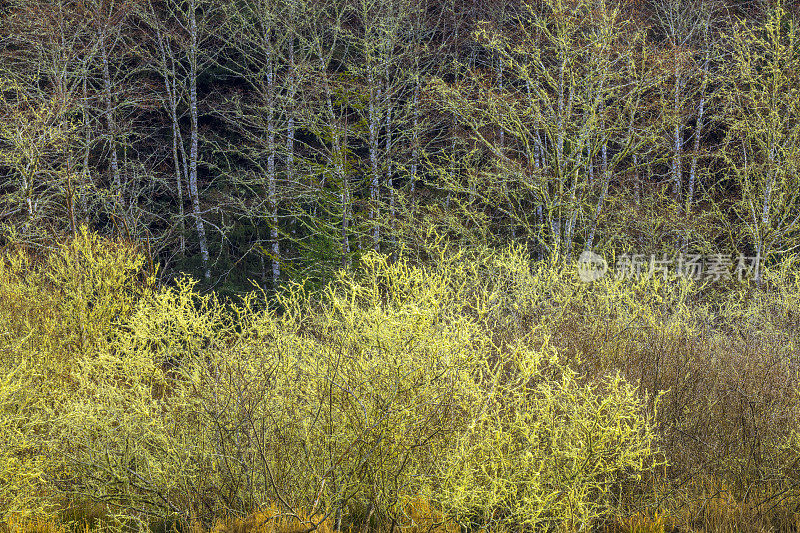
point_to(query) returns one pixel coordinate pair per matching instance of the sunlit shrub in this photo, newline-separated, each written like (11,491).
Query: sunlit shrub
(500,392)
(548,452)
(174,322)
(352,404)
(69,300)
(55,313)
(344,404)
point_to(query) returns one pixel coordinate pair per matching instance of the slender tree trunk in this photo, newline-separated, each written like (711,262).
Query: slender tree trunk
(559,166)
(555,226)
(452,169)
(538,165)
(389,166)
(560,141)
(535,141)
(569,229)
(87,149)
(601,201)
(761,246)
(696,149)
(678,138)
(540,218)
(540,151)
(290,126)
(340,169)
(110,122)
(636,179)
(176,136)
(271,178)
(193,150)
(501,135)
(374,125)
(500,131)
(415,133)
(172,103)
(73,224)
(695,152)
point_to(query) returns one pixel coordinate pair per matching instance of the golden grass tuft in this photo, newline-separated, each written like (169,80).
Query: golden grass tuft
(273,520)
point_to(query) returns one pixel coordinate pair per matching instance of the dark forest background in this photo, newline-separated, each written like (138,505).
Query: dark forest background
(271,140)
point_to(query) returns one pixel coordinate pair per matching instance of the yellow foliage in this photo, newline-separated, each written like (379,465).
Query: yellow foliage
(478,390)
(55,314)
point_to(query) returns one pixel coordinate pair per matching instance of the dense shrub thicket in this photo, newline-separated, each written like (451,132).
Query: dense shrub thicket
(502,394)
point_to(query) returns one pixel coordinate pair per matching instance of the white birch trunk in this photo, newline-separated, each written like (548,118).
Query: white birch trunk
(290,126)
(678,138)
(560,145)
(452,170)
(172,103)
(761,248)
(415,134)
(388,155)
(601,201)
(271,178)
(556,224)
(193,150)
(693,167)
(696,148)
(374,125)
(87,140)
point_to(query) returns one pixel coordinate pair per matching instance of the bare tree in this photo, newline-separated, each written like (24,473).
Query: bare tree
(681,24)
(178,35)
(584,104)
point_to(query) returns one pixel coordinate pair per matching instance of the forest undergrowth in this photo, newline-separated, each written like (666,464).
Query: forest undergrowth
(477,391)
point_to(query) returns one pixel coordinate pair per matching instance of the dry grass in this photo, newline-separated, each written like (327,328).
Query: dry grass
(418,516)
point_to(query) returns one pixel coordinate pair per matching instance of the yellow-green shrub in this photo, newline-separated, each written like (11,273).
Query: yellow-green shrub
(347,402)
(544,450)
(55,313)
(724,354)
(389,385)
(69,300)
(175,322)
(245,407)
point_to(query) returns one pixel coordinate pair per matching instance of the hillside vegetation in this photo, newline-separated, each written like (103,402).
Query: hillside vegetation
(478,390)
(280,140)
